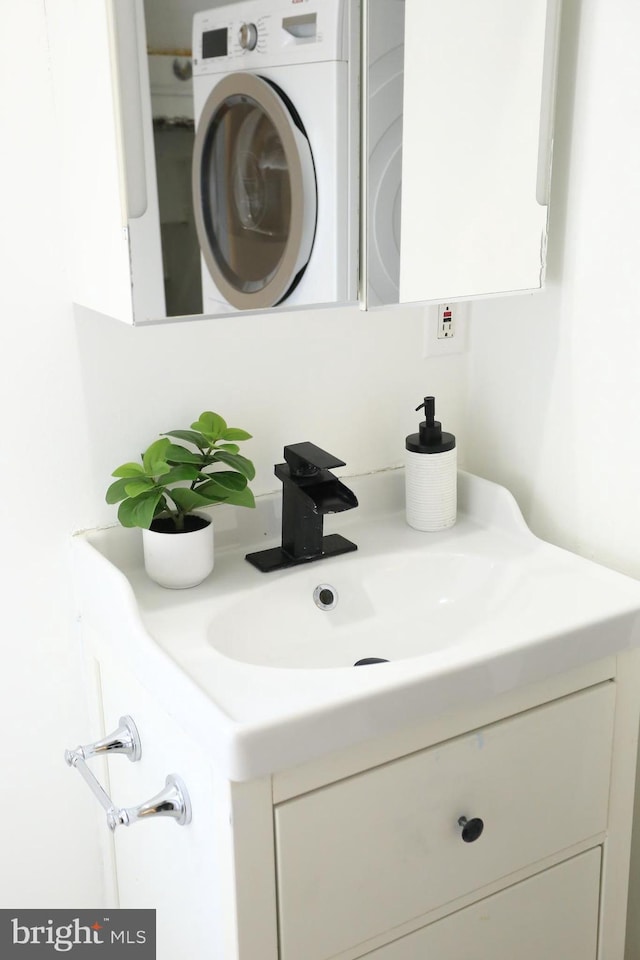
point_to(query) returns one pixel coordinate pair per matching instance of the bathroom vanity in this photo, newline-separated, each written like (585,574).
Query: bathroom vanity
(472,797)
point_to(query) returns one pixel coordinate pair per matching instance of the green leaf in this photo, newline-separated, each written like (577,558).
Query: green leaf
(117,491)
(234,433)
(211,424)
(158,469)
(241,498)
(184,471)
(139,512)
(188,500)
(227,479)
(191,436)
(125,513)
(136,488)
(156,450)
(178,454)
(214,492)
(211,493)
(236,462)
(128,470)
(154,458)
(229,447)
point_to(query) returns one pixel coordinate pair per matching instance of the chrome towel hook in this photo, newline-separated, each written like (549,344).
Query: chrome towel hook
(172,801)
(125,740)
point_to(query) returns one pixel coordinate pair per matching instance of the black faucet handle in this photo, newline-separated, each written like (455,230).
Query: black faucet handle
(305,459)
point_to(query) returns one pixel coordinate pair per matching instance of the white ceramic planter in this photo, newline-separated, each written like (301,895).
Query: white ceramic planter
(179,560)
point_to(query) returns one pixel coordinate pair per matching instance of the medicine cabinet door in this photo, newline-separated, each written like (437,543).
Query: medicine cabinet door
(459,127)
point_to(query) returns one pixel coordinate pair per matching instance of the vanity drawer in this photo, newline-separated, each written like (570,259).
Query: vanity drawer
(368,853)
(552,916)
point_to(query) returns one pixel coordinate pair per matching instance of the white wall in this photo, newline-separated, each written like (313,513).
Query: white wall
(80,394)
(554,389)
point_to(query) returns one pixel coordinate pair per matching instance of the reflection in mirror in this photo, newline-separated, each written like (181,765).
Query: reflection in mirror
(173,135)
(257,179)
(385,82)
(169,30)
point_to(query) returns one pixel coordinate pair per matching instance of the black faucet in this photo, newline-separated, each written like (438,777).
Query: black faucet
(309,491)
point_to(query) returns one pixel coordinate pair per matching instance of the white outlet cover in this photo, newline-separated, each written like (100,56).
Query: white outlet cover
(433,346)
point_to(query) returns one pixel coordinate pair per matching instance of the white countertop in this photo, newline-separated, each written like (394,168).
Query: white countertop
(517,610)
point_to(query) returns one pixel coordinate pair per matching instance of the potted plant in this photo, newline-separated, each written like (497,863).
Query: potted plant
(164,492)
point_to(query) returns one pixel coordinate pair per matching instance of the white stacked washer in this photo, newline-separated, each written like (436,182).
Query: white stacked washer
(273,164)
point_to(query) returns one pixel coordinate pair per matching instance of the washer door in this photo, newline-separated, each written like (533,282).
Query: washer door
(254,191)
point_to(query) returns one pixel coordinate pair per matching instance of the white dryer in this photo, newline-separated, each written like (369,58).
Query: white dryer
(275,152)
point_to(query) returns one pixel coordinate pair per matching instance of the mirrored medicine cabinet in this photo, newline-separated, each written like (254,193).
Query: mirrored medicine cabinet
(443,119)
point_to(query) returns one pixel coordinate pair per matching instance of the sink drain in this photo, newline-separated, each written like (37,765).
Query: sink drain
(325,596)
(367,660)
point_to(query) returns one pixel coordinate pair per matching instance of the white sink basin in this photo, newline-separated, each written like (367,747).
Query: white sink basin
(389,607)
(263,679)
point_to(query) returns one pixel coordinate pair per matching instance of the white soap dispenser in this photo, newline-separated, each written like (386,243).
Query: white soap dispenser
(431,474)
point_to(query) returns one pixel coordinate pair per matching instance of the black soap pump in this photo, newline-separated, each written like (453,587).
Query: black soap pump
(430,474)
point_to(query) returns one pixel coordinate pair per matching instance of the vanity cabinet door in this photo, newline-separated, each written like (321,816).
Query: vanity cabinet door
(552,916)
(477,131)
(382,848)
(158,864)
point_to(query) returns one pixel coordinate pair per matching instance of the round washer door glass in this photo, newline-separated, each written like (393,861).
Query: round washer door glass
(254,188)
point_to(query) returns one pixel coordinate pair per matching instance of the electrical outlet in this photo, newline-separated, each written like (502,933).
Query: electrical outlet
(445,329)
(446,321)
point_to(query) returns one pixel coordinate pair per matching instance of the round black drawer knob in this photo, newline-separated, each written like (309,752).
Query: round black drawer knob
(471,829)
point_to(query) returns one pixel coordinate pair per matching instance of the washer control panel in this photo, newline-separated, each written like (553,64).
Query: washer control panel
(288,31)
